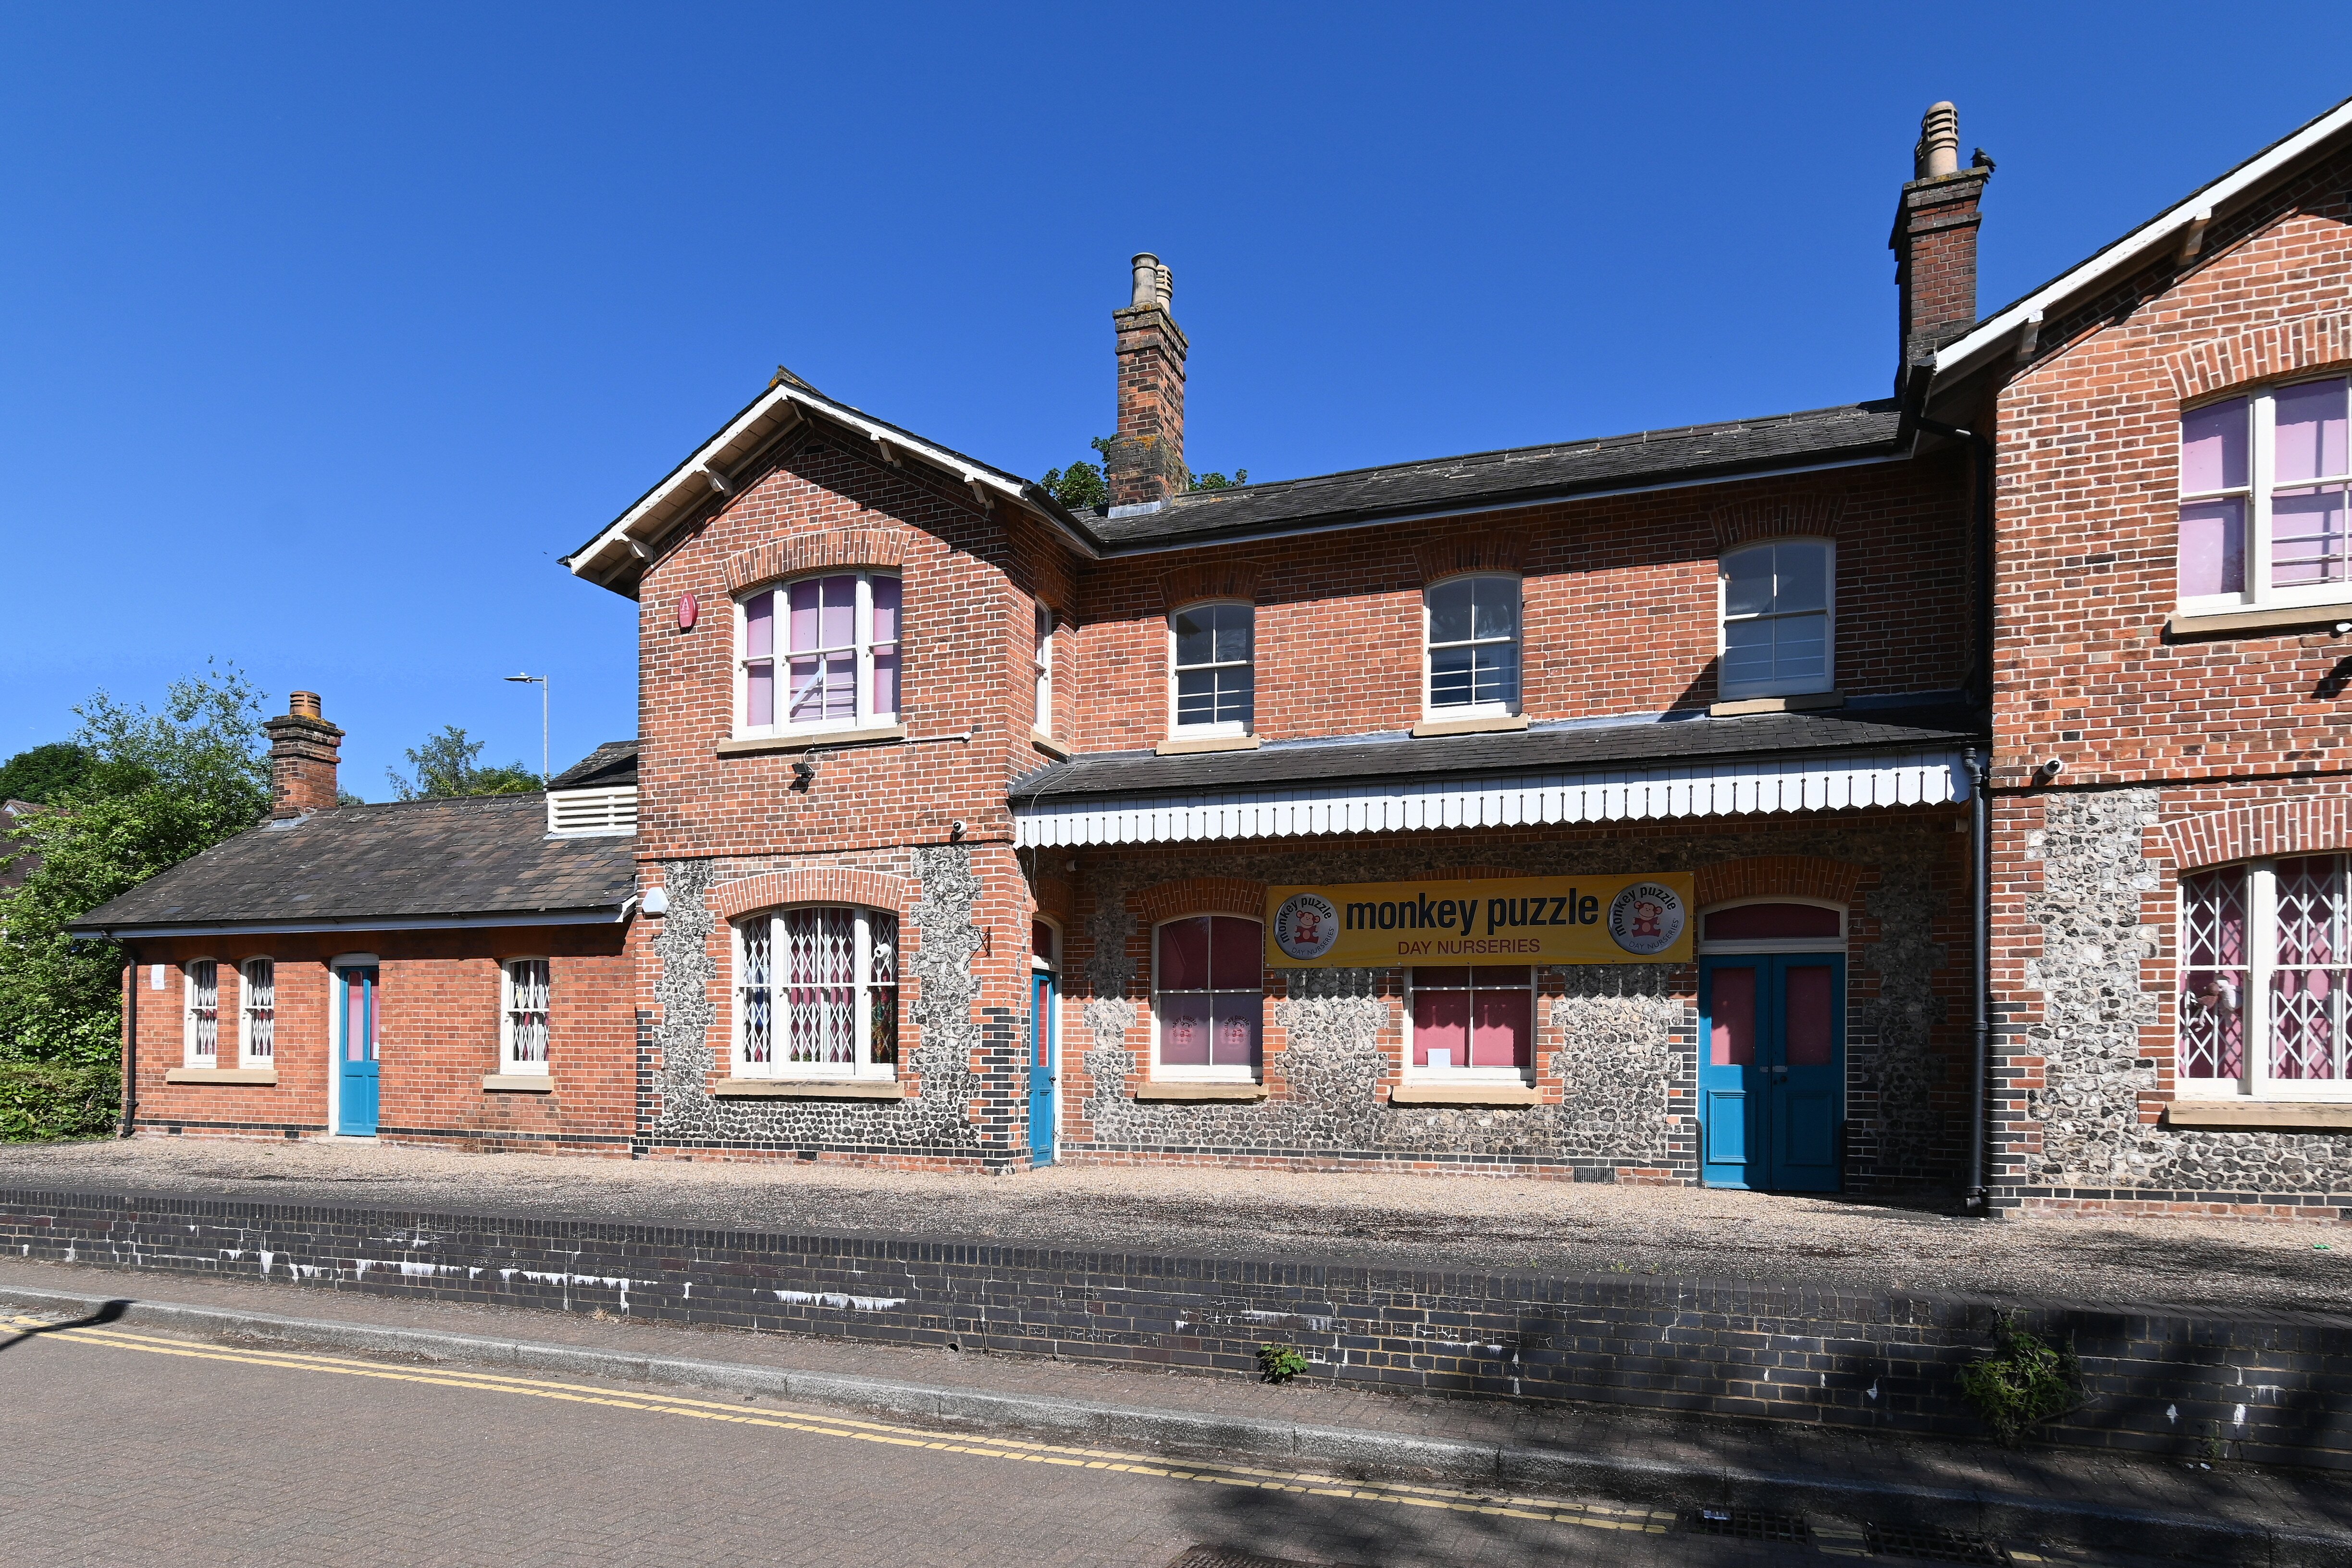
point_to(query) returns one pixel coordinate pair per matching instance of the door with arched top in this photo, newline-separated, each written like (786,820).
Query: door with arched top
(1772,1076)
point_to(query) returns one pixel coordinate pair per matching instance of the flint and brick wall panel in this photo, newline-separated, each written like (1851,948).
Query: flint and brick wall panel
(2275,1388)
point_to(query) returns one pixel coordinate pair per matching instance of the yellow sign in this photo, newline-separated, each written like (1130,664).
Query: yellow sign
(1513,920)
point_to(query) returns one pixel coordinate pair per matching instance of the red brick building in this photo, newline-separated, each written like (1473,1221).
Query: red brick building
(1605,809)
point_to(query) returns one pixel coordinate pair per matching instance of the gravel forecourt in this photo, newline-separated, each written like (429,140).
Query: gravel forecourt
(1401,1220)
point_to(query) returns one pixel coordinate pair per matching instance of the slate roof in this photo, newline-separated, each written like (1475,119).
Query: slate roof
(1516,475)
(412,861)
(1559,749)
(611,764)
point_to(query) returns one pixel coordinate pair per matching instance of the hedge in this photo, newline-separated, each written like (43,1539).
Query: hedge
(42,1101)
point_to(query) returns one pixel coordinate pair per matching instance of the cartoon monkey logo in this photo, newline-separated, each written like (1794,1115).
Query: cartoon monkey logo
(1646,918)
(1307,926)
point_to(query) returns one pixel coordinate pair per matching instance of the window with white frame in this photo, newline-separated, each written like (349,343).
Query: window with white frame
(1208,998)
(1473,1022)
(816,993)
(2264,960)
(817,654)
(1042,653)
(2264,482)
(1473,630)
(523,1018)
(258,1012)
(1213,667)
(1779,619)
(201,987)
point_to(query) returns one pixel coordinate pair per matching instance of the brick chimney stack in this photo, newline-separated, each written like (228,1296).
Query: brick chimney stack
(1147,457)
(1934,244)
(303,750)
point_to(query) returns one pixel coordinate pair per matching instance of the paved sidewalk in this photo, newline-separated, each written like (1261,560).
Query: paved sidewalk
(1473,1223)
(2094,1500)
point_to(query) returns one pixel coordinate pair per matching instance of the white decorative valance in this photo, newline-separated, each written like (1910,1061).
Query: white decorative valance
(1634,794)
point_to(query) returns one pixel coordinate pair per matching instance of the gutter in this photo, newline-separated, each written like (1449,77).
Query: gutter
(609,916)
(129,1041)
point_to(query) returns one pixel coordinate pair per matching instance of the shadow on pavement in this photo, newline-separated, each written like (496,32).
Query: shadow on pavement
(106,1314)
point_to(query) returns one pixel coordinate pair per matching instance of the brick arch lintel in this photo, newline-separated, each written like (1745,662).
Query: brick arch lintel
(819,551)
(1792,876)
(2316,826)
(1814,513)
(1209,580)
(1201,896)
(1448,554)
(810,884)
(2280,349)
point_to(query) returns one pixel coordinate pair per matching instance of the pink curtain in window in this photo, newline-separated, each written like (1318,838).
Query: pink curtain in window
(1731,1033)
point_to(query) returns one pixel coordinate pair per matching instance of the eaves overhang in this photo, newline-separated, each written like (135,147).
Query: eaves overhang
(1999,332)
(603,915)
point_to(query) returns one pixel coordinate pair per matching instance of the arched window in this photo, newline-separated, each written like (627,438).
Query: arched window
(1779,619)
(2265,962)
(523,1018)
(1213,669)
(1473,635)
(1208,997)
(2265,480)
(201,986)
(818,655)
(1771,924)
(816,993)
(258,1013)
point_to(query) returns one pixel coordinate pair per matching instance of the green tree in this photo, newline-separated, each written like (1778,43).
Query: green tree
(1218,481)
(46,774)
(446,770)
(161,787)
(1082,484)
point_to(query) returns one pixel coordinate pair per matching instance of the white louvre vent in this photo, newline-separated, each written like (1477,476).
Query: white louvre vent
(578,812)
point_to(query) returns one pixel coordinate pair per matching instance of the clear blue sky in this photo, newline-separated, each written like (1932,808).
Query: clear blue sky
(329,328)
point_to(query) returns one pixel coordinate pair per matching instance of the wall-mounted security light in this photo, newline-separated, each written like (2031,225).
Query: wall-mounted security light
(804,774)
(955,829)
(2049,769)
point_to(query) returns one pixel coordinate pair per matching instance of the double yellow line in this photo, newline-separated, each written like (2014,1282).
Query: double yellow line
(1592,1515)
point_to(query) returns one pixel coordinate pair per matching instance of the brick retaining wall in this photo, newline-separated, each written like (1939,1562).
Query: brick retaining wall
(2279,1386)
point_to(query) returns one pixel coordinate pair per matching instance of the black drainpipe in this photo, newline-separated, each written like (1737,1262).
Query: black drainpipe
(1980,767)
(129,1041)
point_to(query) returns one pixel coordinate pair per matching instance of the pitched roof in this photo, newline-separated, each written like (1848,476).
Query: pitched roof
(612,764)
(1693,454)
(407,864)
(1679,737)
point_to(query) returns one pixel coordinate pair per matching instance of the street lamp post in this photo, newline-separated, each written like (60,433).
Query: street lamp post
(541,682)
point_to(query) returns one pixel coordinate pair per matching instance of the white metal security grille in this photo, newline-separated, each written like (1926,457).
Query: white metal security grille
(821,977)
(2214,974)
(611,811)
(526,987)
(2308,987)
(754,994)
(1910,779)
(260,1010)
(203,1009)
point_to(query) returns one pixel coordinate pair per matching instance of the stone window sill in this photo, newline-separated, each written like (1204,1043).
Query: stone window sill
(1179,1091)
(1425,1093)
(2271,618)
(2286,1115)
(518,1083)
(1182,747)
(870,735)
(1807,702)
(1049,746)
(1492,723)
(809,1089)
(261,1075)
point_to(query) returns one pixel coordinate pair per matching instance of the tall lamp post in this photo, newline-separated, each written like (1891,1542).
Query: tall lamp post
(541,682)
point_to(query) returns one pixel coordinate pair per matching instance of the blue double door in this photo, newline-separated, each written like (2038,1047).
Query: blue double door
(1772,1076)
(355,1064)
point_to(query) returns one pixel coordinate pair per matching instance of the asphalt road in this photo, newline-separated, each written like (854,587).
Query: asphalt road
(124,1447)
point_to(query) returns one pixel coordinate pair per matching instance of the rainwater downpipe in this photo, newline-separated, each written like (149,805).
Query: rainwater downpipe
(1980,767)
(130,1043)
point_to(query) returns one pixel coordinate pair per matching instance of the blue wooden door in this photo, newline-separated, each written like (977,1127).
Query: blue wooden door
(356,1099)
(1041,1067)
(1772,1076)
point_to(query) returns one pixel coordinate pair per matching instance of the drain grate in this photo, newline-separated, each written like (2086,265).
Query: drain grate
(1934,1545)
(1748,1524)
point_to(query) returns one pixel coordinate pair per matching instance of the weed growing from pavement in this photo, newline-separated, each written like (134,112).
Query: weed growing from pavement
(1279,1363)
(2023,1383)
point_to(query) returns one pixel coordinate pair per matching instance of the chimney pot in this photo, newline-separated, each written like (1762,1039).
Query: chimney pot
(1939,152)
(1147,282)
(303,751)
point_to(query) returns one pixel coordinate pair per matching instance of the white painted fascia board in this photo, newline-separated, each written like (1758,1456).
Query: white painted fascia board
(1988,336)
(688,475)
(356,922)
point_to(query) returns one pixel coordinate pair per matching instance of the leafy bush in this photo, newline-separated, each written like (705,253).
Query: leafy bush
(1279,1363)
(42,1101)
(2022,1384)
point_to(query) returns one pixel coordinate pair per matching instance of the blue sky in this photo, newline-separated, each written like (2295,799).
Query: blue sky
(329,330)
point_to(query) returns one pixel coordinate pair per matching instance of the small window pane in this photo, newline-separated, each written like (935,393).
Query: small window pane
(1234,1034)
(1235,632)
(759,694)
(807,602)
(1768,922)
(885,609)
(1196,637)
(1748,582)
(2213,447)
(1450,606)
(2212,547)
(1496,606)
(2310,431)
(886,683)
(838,624)
(2307,537)
(1184,1028)
(1041,941)
(1440,1025)
(760,625)
(1184,954)
(1731,1018)
(1810,1016)
(1502,1028)
(1236,953)
(1801,577)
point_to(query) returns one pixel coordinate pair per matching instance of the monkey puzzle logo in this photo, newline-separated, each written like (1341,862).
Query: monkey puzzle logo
(1305,925)
(1646,918)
